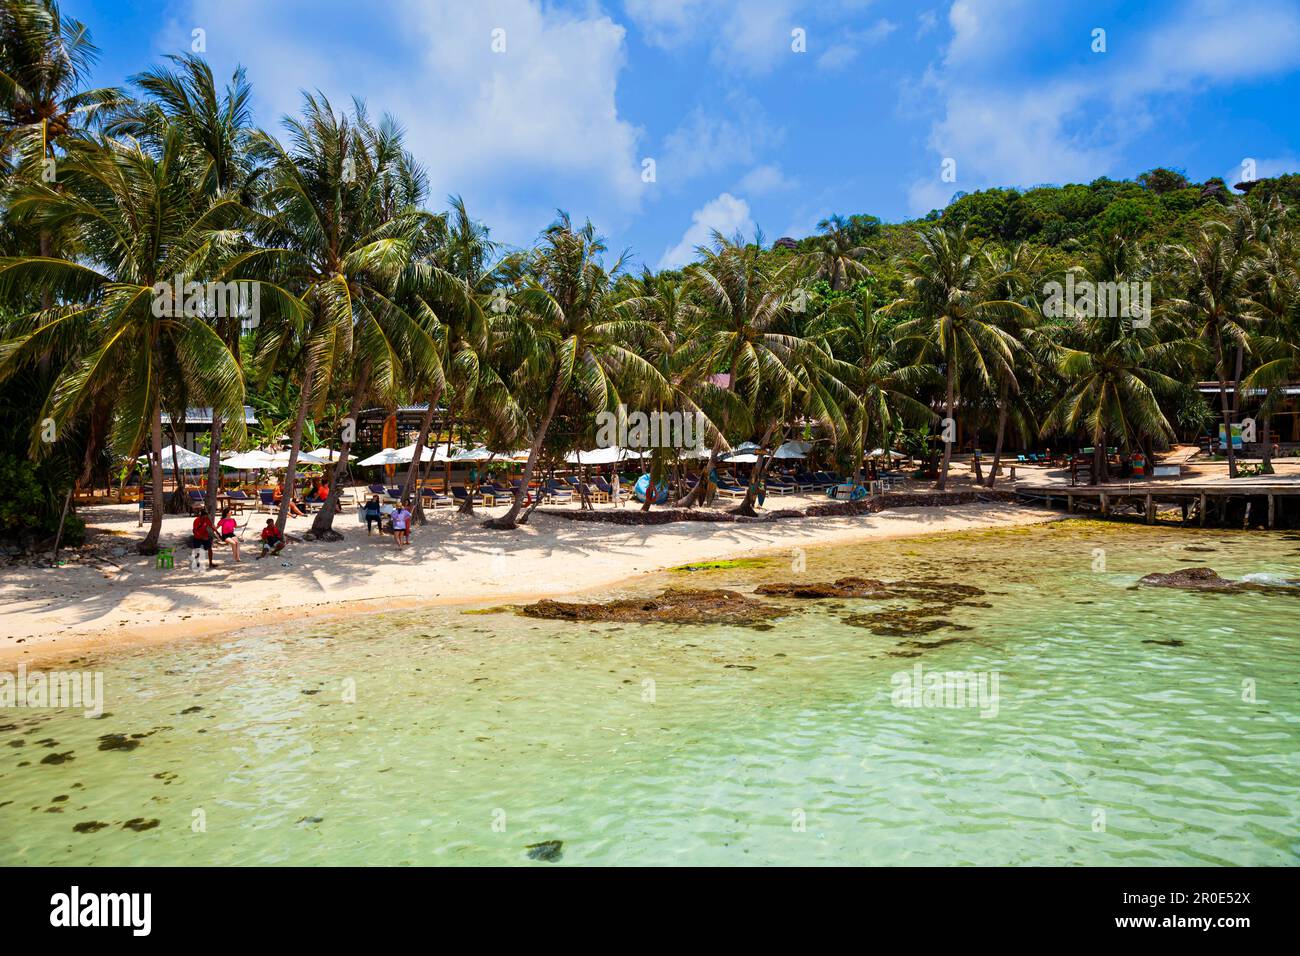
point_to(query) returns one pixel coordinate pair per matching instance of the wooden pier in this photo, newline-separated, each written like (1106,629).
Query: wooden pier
(1243,503)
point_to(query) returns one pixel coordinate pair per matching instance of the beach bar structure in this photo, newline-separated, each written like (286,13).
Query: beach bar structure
(1244,502)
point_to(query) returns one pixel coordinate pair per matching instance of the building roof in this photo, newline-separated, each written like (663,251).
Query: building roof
(203,416)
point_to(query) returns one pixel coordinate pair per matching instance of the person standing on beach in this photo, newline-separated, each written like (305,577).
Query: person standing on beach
(203,534)
(401,525)
(615,489)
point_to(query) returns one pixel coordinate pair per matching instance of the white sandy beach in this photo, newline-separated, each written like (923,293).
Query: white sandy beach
(97,605)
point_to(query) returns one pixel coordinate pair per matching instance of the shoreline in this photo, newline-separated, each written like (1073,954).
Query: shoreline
(451,562)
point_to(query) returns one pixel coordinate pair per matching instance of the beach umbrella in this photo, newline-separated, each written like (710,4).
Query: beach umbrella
(408,452)
(387,457)
(744,458)
(476,454)
(185,459)
(793,449)
(281,459)
(746,448)
(881,453)
(330,455)
(248,461)
(597,456)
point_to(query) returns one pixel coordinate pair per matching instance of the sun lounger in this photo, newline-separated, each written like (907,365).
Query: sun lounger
(432,499)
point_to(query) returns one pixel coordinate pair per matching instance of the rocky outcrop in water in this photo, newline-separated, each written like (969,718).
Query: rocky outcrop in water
(947,592)
(1207,579)
(673,606)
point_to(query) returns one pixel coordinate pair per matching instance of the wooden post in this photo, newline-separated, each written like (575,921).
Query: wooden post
(1272,511)
(1201,509)
(1105,504)
(1245,522)
(1150,510)
(1183,505)
(1069,504)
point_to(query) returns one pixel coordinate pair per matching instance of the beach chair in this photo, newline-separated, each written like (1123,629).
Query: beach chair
(432,499)
(779,485)
(239,500)
(197,501)
(266,501)
(460,494)
(603,487)
(555,492)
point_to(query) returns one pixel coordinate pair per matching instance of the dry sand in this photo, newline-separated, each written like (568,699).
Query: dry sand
(103,605)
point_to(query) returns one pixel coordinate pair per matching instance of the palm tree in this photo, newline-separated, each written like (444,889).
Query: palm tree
(834,257)
(744,337)
(141,221)
(1278,341)
(1214,274)
(1113,384)
(581,345)
(217,128)
(343,222)
(857,334)
(958,319)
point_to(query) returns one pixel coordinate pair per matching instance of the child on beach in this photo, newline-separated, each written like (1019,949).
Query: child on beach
(226,526)
(401,525)
(272,540)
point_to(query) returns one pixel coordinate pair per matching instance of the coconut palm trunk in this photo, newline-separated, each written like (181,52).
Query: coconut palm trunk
(950,406)
(509,520)
(760,471)
(150,543)
(421,440)
(291,472)
(997,445)
(214,465)
(1266,458)
(322,526)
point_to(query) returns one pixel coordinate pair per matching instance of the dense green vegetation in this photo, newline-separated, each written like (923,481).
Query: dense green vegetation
(864,334)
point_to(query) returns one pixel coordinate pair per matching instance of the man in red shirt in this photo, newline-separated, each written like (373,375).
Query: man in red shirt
(204,532)
(272,540)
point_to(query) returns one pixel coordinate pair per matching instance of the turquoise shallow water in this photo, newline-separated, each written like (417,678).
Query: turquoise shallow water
(471,737)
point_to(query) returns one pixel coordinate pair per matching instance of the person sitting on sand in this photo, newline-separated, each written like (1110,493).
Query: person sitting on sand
(401,525)
(204,533)
(272,540)
(294,508)
(374,515)
(227,526)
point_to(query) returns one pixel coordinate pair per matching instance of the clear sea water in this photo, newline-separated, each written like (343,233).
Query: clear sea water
(1133,726)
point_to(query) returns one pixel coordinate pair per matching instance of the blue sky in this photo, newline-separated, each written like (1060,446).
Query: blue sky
(744,129)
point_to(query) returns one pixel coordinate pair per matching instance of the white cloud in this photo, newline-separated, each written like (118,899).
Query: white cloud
(767,178)
(706,143)
(852,42)
(516,133)
(754,36)
(726,214)
(1076,125)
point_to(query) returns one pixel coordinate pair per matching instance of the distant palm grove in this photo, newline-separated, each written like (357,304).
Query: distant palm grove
(371,293)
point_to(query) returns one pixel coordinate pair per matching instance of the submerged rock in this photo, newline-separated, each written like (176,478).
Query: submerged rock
(548,851)
(855,587)
(673,606)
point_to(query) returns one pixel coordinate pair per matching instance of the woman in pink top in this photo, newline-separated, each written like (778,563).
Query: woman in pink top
(226,527)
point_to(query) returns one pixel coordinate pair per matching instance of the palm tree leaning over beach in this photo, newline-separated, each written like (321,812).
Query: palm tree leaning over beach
(581,348)
(141,221)
(956,319)
(1277,341)
(743,336)
(334,240)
